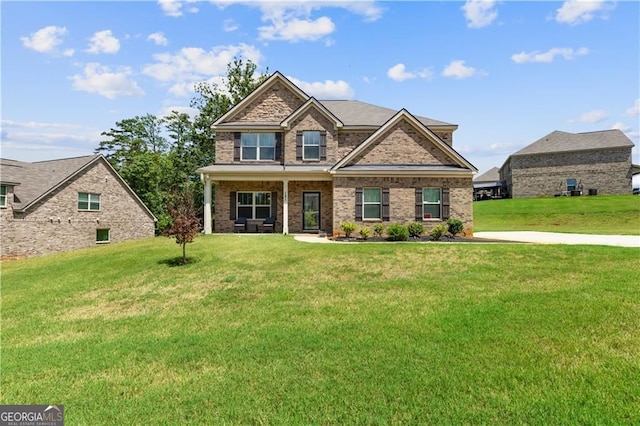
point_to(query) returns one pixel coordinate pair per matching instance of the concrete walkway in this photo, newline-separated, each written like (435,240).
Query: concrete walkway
(529,237)
(561,238)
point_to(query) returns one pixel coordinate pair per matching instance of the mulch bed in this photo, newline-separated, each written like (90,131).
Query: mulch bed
(422,239)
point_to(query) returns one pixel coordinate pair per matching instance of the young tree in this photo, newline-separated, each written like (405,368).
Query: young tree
(186,224)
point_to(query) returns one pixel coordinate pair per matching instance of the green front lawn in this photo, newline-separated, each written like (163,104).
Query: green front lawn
(268,330)
(602,214)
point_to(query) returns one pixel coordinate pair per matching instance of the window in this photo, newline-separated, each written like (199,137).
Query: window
(372,203)
(254,205)
(258,146)
(102,236)
(311,145)
(571,185)
(431,201)
(3,196)
(87,201)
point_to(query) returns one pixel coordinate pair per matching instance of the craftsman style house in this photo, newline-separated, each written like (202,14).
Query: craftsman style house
(66,204)
(562,163)
(310,165)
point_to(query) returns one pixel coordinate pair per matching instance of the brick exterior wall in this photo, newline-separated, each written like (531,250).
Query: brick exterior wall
(34,233)
(274,104)
(312,119)
(348,140)
(416,148)
(402,199)
(606,170)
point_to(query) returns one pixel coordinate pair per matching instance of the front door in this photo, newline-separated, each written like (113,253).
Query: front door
(310,211)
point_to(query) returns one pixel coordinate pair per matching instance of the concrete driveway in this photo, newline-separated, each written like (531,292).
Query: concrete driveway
(561,238)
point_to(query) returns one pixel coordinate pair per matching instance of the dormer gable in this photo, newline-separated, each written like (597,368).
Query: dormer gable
(312,103)
(271,102)
(403,139)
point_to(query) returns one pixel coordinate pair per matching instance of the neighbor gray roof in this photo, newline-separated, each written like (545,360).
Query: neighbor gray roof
(491,175)
(37,179)
(558,141)
(350,113)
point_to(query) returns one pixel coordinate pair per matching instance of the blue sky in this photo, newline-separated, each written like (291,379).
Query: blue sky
(506,72)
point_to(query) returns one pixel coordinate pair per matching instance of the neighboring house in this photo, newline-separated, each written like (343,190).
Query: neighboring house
(66,204)
(488,185)
(313,164)
(564,163)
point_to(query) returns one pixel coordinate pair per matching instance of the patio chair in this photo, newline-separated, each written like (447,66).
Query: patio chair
(240,225)
(268,224)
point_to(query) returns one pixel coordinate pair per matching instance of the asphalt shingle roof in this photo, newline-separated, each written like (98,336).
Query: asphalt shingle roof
(36,179)
(357,113)
(558,141)
(491,175)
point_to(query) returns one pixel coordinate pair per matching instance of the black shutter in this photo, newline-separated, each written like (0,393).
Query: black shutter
(274,205)
(445,203)
(323,145)
(419,215)
(232,205)
(278,147)
(299,145)
(236,146)
(358,203)
(385,204)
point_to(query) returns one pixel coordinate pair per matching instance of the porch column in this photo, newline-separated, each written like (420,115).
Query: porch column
(285,206)
(207,204)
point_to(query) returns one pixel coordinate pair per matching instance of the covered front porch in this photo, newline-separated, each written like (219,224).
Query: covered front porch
(298,198)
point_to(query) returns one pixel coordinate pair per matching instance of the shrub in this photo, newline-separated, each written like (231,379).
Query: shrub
(378,229)
(398,232)
(438,231)
(455,226)
(415,229)
(348,228)
(365,233)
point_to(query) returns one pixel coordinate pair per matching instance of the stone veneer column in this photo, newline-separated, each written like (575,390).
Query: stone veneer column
(207,204)
(285,206)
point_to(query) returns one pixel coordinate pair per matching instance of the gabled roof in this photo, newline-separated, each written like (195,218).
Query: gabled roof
(403,114)
(275,77)
(558,141)
(37,180)
(491,175)
(312,102)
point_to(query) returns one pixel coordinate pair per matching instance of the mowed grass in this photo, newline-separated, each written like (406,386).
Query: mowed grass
(602,214)
(269,330)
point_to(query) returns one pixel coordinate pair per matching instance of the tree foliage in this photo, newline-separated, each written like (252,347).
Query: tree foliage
(185,223)
(157,156)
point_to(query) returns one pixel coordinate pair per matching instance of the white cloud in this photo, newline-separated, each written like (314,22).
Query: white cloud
(594,116)
(36,125)
(174,7)
(548,56)
(575,12)
(103,42)
(158,38)
(328,89)
(399,72)
(479,13)
(297,29)
(457,69)
(102,81)
(635,109)
(47,40)
(229,25)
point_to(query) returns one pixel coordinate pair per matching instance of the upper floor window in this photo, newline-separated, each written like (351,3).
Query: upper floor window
(88,201)
(258,146)
(3,196)
(311,145)
(431,201)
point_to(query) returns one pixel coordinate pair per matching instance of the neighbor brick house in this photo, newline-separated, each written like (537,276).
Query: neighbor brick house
(313,164)
(561,163)
(66,204)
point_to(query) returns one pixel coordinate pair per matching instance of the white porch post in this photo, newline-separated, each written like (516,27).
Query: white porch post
(207,204)
(285,206)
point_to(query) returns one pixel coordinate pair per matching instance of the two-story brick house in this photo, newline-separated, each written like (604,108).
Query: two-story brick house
(313,164)
(66,204)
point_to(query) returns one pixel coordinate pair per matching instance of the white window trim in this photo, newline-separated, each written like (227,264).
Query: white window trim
(304,145)
(432,204)
(275,142)
(89,209)
(365,203)
(253,204)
